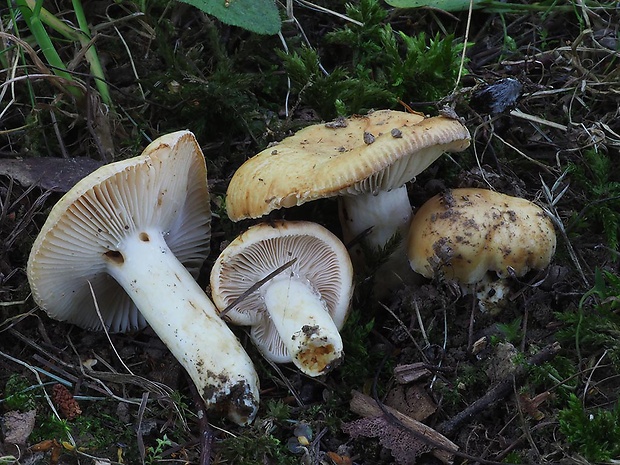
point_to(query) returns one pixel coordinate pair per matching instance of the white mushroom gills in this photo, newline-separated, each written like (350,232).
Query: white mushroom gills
(291,282)
(186,320)
(304,324)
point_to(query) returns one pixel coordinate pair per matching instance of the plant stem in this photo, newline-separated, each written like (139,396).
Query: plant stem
(91,54)
(32,16)
(35,16)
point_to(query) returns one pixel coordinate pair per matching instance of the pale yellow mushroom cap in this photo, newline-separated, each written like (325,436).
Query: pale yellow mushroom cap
(358,155)
(465,233)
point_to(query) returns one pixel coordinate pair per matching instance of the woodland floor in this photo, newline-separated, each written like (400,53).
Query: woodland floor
(170,67)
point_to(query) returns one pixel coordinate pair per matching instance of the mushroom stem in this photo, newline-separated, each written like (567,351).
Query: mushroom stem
(186,320)
(387,213)
(303,323)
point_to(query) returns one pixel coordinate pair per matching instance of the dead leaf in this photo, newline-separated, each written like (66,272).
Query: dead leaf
(339,459)
(405,447)
(412,400)
(530,405)
(17,426)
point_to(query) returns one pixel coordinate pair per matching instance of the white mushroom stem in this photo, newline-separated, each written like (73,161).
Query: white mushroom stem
(186,320)
(303,323)
(387,213)
(491,292)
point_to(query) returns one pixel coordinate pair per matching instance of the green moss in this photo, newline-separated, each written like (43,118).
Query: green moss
(595,323)
(254,447)
(595,433)
(18,394)
(557,374)
(601,196)
(359,362)
(379,66)
(51,427)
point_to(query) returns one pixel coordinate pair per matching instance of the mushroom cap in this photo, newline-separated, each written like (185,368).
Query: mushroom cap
(465,233)
(164,188)
(361,154)
(321,259)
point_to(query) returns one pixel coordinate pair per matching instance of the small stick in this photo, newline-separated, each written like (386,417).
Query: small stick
(257,285)
(411,372)
(140,417)
(206,432)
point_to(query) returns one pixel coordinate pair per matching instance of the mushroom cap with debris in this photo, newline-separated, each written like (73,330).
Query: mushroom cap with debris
(358,155)
(465,233)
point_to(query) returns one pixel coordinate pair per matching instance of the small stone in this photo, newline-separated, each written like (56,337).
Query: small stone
(368,138)
(396,133)
(339,122)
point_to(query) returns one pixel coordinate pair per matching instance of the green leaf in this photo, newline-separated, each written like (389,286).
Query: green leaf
(260,16)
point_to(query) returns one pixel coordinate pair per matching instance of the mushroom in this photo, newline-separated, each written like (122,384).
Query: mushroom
(468,234)
(366,160)
(122,248)
(296,313)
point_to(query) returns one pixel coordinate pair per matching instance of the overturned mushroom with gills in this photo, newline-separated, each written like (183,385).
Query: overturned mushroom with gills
(479,238)
(122,249)
(292,283)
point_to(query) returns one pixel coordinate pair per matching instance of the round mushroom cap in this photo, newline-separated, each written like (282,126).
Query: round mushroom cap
(320,259)
(465,233)
(165,188)
(361,154)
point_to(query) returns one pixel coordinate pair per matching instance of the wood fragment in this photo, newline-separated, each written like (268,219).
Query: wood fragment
(55,174)
(410,372)
(412,400)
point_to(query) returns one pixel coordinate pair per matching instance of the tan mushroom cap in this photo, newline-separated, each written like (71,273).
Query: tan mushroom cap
(361,154)
(465,233)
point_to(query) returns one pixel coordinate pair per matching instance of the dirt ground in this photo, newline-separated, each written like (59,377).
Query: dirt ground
(534,382)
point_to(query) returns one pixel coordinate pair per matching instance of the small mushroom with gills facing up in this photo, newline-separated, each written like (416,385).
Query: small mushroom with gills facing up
(468,234)
(122,249)
(296,313)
